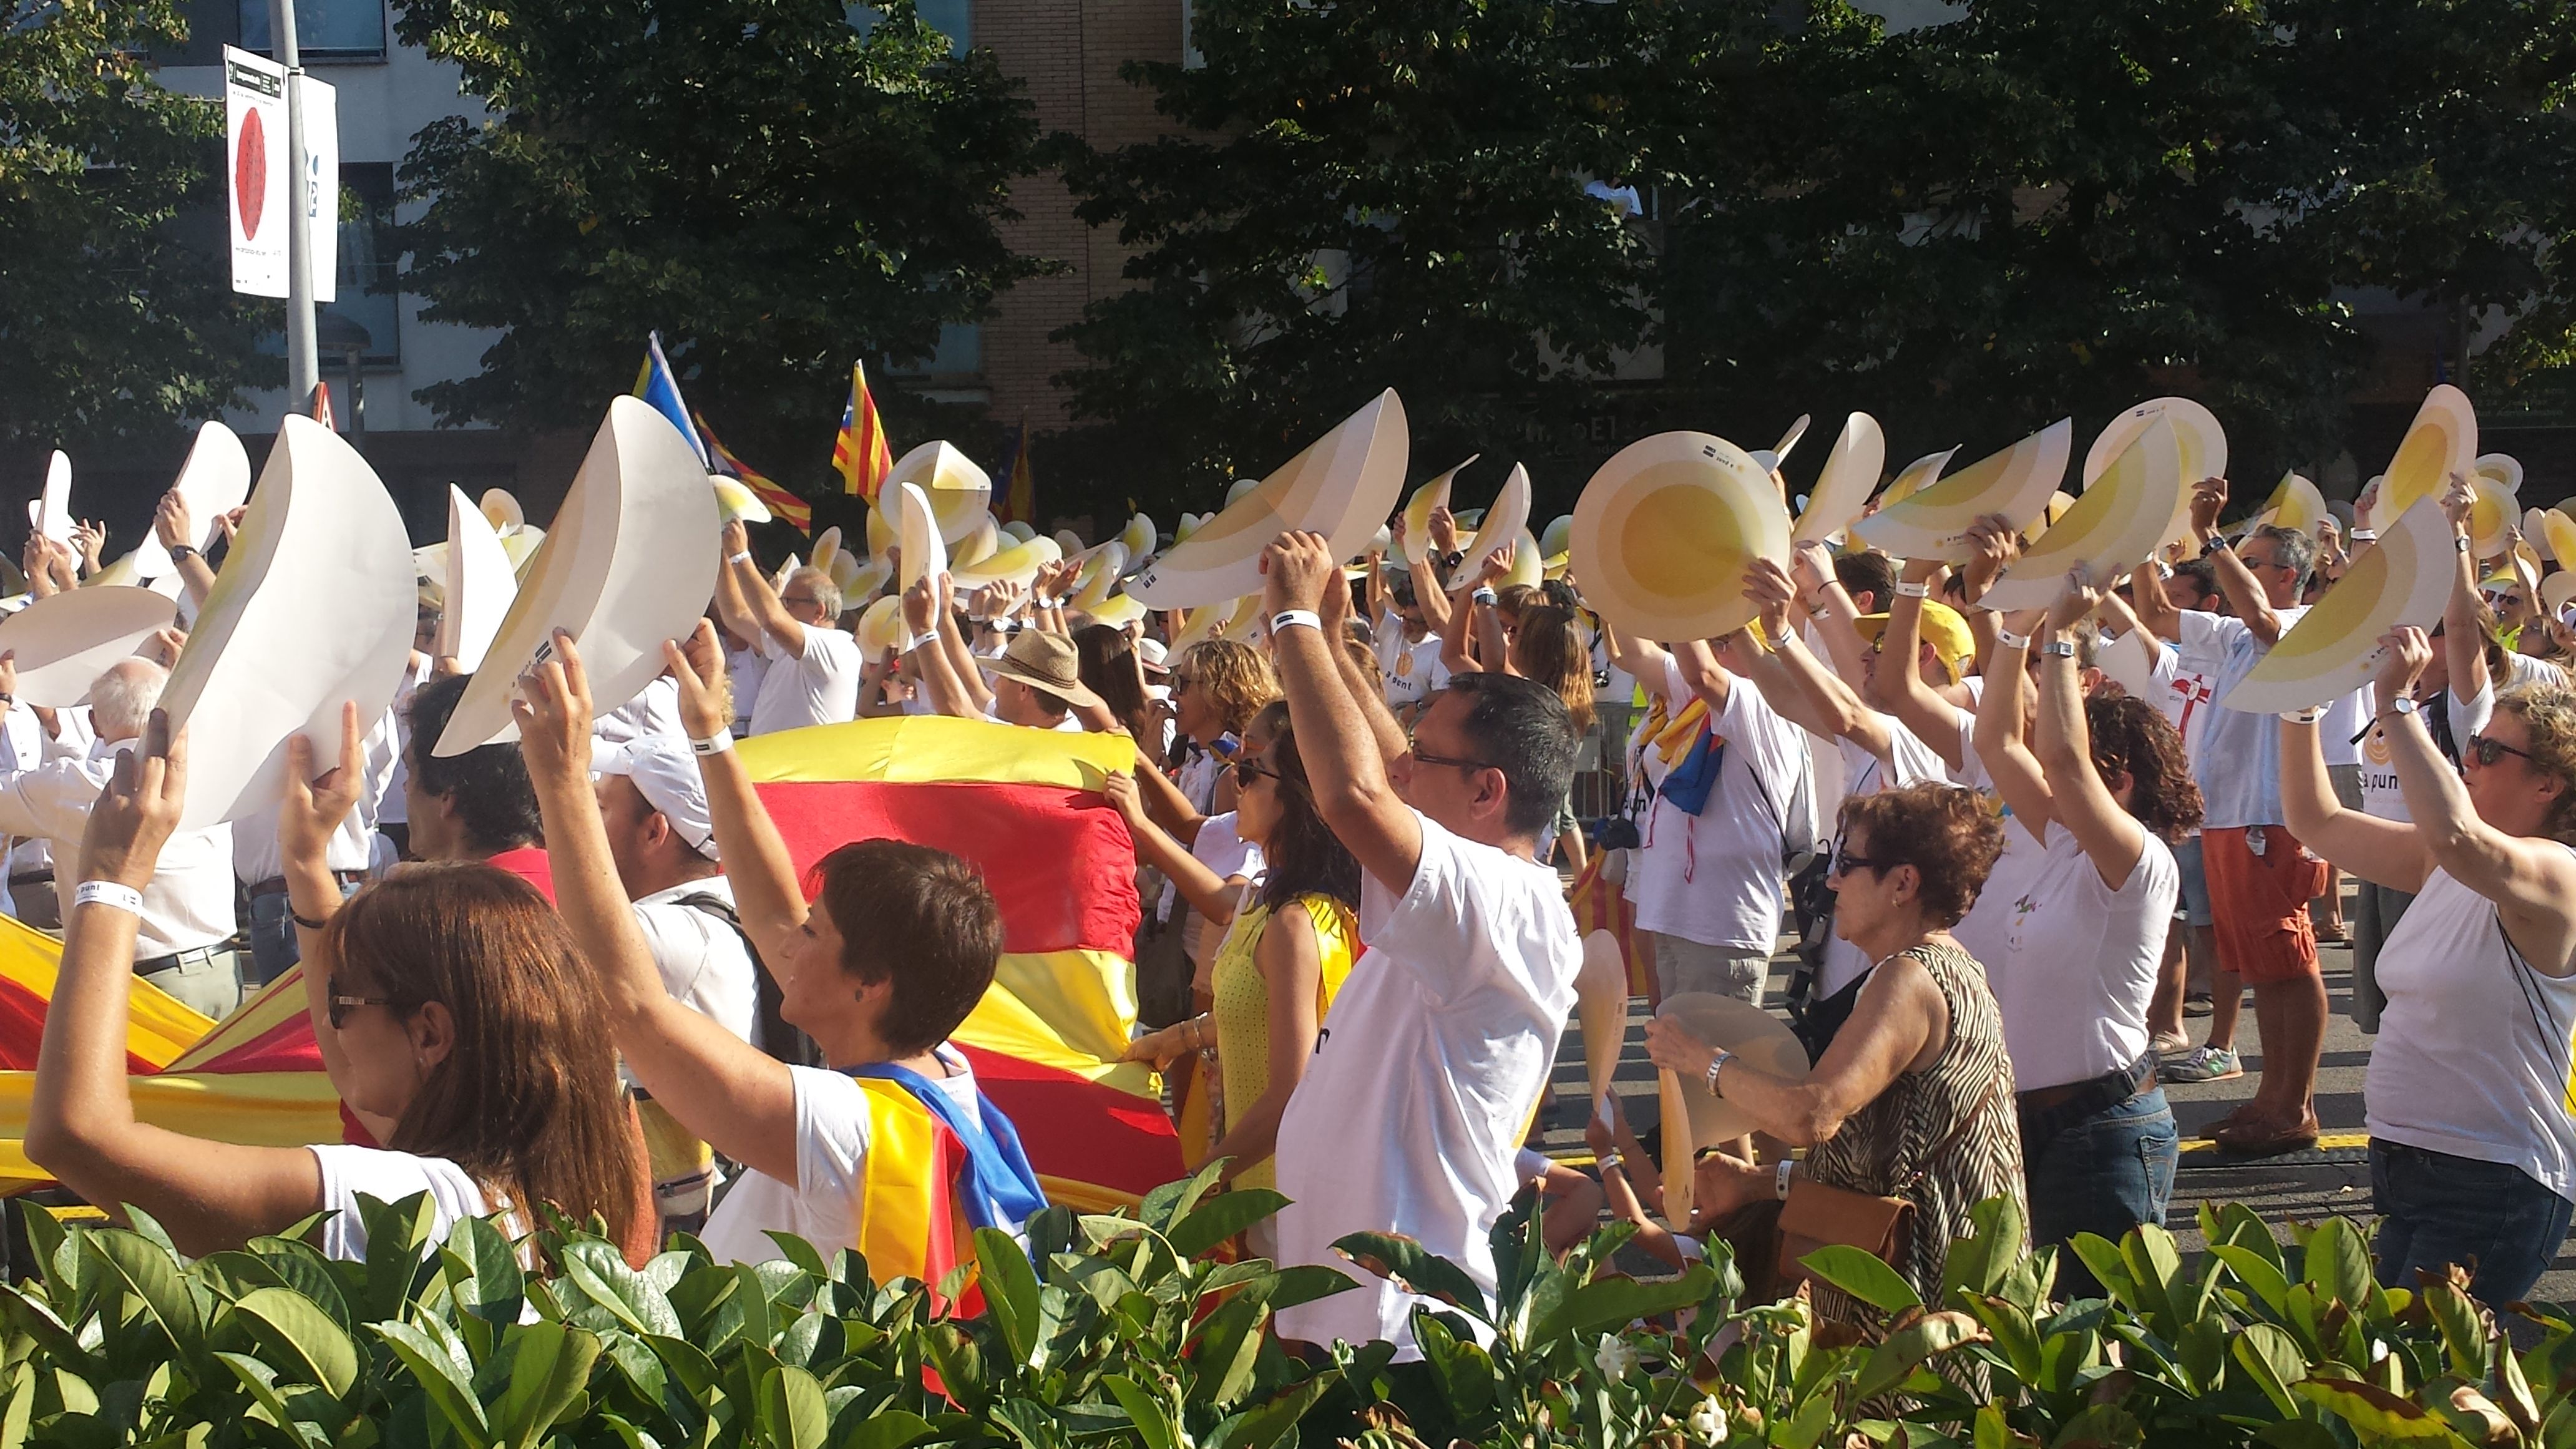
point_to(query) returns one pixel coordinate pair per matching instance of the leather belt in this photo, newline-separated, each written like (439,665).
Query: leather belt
(276,885)
(2047,1111)
(190,957)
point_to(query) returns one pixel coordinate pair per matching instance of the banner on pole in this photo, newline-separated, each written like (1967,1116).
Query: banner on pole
(259,198)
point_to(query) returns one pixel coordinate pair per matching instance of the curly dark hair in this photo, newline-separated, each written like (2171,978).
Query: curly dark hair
(2132,737)
(1944,832)
(1303,855)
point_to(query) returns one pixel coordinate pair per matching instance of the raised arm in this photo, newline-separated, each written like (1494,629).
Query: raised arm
(1830,609)
(766,891)
(314,806)
(2245,596)
(173,526)
(2465,615)
(1814,692)
(2532,881)
(1917,706)
(2384,852)
(80,1118)
(961,660)
(2018,778)
(1209,894)
(929,655)
(1344,760)
(744,597)
(2078,799)
(735,1096)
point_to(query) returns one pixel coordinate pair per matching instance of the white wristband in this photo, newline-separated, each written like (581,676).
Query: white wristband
(1780,1182)
(1914,591)
(109,893)
(2365,535)
(1294,618)
(715,744)
(2011,640)
(739,558)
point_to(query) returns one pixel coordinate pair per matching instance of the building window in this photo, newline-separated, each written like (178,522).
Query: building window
(324,29)
(959,354)
(951,18)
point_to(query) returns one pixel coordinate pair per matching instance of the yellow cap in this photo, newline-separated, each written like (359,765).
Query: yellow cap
(1943,629)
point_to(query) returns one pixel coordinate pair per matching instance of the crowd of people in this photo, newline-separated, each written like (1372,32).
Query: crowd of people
(2012,855)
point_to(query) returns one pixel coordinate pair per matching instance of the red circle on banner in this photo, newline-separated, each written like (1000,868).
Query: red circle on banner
(250,173)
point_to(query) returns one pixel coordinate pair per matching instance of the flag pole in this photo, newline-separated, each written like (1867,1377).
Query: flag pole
(303,356)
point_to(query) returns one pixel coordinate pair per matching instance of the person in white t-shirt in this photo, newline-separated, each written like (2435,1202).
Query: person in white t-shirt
(1410,1115)
(2260,876)
(1408,653)
(896,948)
(2472,1149)
(2074,943)
(455,1018)
(814,667)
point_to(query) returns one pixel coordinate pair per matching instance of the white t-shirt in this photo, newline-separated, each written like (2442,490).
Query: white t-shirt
(1227,855)
(2239,763)
(820,685)
(655,710)
(1441,1039)
(1715,878)
(388,1177)
(2472,1056)
(746,670)
(2344,717)
(2381,798)
(704,962)
(1412,668)
(823,1207)
(2072,962)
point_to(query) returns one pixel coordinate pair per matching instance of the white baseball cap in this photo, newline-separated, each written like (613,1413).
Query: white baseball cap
(666,775)
(1154,655)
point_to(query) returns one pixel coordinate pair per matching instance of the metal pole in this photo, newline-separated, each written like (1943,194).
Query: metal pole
(357,400)
(303,362)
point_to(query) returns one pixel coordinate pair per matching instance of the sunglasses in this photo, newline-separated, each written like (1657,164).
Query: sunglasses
(1845,862)
(797,599)
(2487,749)
(1182,681)
(341,1006)
(1244,770)
(1420,758)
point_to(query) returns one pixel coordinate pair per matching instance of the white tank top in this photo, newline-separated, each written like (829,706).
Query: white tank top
(2474,1047)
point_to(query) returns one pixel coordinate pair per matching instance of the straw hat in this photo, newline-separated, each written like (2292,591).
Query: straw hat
(1762,1041)
(1044,661)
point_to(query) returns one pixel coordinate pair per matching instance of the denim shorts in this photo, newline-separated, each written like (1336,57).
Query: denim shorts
(2436,1209)
(2192,906)
(2106,1174)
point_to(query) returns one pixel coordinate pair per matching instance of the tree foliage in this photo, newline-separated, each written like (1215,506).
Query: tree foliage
(777,191)
(112,325)
(1969,228)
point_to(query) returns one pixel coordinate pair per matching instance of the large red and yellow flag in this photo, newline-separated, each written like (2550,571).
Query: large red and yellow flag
(861,454)
(1022,805)
(789,509)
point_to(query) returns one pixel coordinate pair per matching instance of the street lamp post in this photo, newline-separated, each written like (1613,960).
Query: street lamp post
(303,361)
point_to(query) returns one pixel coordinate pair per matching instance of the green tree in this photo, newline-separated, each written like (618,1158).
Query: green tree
(775,190)
(113,324)
(1361,194)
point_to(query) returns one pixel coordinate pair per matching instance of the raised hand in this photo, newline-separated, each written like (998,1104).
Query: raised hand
(1444,530)
(1770,588)
(1295,569)
(2406,650)
(171,523)
(138,809)
(313,808)
(2080,597)
(697,665)
(2208,500)
(551,705)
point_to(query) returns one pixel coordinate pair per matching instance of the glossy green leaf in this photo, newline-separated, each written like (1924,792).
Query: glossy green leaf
(1221,1217)
(1405,1263)
(1610,1302)
(300,1337)
(549,1364)
(448,1384)
(2374,1411)
(1272,1422)
(2272,1358)
(1010,1291)
(1858,1272)
(2337,1265)
(148,1271)
(1908,1348)
(791,1409)
(1153,1420)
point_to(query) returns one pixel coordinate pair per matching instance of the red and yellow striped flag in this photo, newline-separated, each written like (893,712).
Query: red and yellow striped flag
(789,509)
(861,454)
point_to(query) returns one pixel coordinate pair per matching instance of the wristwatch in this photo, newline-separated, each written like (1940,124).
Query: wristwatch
(1721,1059)
(1453,558)
(178,551)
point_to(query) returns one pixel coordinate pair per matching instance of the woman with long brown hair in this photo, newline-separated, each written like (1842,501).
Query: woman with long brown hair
(455,1016)
(1109,667)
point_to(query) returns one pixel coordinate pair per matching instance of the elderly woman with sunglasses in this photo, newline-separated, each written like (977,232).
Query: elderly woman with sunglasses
(1914,1099)
(2472,1151)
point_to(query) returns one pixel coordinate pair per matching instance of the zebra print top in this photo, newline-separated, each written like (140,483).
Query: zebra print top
(1885,1145)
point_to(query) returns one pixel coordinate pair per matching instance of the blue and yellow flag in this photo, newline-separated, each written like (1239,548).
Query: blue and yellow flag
(655,385)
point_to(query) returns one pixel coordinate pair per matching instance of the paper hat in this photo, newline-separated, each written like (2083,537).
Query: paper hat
(2014,483)
(1043,661)
(1017,565)
(1188,525)
(50,512)
(2198,440)
(1202,623)
(64,642)
(881,627)
(2295,504)
(916,526)
(1943,627)
(2492,515)
(2556,591)
(1843,489)
(736,503)
(1099,575)
(2442,440)
(1019,532)
(1527,567)
(2505,468)
(521,544)
(1069,544)
(1234,491)
(1762,1041)
(2130,662)
(1507,519)
(1117,611)
(1342,487)
(2558,535)
(630,564)
(478,580)
(960,494)
(1915,476)
(982,544)
(2114,526)
(2404,578)
(827,545)
(1139,537)
(501,507)
(315,607)
(1557,537)
(1662,535)
(1789,440)
(213,482)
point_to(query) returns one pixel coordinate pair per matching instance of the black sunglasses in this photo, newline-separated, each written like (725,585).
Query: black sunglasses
(340,1006)
(1244,770)
(1420,758)
(2486,749)
(1844,863)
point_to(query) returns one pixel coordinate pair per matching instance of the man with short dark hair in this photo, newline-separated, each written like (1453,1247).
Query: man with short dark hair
(1408,653)
(477,805)
(1441,1038)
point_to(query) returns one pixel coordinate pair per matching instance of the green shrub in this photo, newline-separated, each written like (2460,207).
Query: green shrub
(1126,1331)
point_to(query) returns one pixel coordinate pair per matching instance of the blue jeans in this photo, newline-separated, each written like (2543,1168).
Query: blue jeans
(2436,1209)
(2106,1174)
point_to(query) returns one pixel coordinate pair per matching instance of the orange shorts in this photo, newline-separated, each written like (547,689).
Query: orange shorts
(2259,903)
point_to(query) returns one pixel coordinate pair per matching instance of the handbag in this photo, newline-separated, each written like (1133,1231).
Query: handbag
(1816,1215)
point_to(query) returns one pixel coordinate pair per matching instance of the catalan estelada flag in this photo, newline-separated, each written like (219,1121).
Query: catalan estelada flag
(932,1176)
(785,506)
(861,454)
(655,384)
(1020,494)
(1024,807)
